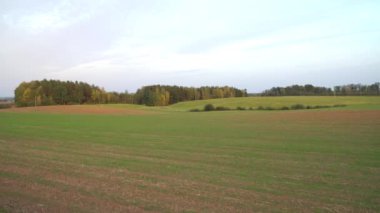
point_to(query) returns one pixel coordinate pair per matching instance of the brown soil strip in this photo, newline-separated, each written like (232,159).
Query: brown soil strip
(80,109)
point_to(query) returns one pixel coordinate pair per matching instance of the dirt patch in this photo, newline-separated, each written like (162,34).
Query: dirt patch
(80,109)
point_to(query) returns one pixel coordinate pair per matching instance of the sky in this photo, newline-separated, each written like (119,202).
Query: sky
(254,44)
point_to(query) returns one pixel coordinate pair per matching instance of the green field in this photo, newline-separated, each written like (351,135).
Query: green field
(278,102)
(166,159)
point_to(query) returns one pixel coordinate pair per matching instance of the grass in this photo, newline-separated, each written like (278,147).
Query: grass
(278,102)
(174,161)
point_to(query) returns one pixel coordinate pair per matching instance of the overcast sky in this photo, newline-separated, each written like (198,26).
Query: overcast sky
(254,44)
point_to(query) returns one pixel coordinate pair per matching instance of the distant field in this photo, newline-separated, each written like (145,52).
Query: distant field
(352,102)
(120,158)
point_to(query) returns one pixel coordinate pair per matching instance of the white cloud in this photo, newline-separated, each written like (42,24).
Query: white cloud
(52,16)
(126,44)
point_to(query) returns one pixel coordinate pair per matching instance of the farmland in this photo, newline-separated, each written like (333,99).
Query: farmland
(277,102)
(119,158)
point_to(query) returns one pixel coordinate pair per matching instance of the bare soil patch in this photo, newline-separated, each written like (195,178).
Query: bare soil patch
(80,109)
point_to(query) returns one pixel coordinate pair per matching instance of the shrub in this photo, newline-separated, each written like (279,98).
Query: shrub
(284,108)
(260,108)
(209,107)
(5,106)
(319,107)
(195,110)
(221,108)
(250,108)
(339,105)
(269,108)
(240,108)
(297,106)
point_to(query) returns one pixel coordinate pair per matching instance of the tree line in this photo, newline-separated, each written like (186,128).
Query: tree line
(310,90)
(162,95)
(358,89)
(55,92)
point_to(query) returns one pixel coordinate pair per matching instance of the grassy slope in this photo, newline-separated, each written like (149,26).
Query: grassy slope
(352,102)
(181,161)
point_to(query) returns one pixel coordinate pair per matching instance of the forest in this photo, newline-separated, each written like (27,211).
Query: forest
(310,90)
(55,92)
(158,95)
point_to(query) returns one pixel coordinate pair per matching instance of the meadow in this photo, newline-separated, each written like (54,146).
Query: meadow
(120,158)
